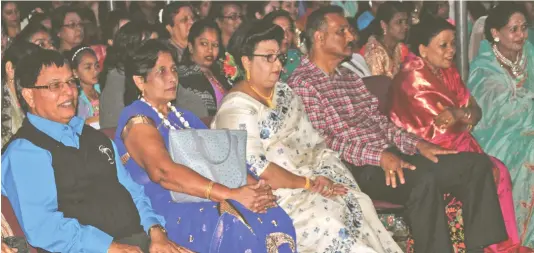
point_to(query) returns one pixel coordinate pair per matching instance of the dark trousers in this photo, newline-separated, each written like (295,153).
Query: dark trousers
(140,240)
(467,176)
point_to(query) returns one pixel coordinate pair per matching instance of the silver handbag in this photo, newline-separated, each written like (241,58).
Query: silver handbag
(218,155)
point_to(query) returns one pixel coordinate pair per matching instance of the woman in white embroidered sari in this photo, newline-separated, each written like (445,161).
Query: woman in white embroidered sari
(329,212)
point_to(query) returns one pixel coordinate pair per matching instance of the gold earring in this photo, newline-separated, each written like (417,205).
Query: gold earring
(248,75)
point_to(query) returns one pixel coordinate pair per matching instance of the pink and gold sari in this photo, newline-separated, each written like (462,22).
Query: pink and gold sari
(415,93)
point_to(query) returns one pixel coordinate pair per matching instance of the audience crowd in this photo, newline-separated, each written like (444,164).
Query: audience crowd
(266,126)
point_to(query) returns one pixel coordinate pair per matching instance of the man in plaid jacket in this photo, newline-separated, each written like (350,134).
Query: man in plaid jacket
(389,163)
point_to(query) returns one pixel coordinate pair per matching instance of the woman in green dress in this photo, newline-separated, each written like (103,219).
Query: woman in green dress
(501,79)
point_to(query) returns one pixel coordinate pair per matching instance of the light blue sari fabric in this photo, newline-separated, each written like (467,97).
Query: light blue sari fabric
(506,129)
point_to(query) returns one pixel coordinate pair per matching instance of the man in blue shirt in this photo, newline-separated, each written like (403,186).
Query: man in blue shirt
(65,181)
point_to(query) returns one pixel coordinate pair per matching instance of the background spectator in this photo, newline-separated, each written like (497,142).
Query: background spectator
(68,26)
(228,16)
(11,18)
(37,34)
(178,17)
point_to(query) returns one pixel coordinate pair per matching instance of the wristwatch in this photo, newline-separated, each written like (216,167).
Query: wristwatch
(157,226)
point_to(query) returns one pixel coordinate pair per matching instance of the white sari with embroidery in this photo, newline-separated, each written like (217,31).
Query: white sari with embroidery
(285,136)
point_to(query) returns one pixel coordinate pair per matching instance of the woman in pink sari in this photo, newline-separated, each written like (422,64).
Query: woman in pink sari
(429,99)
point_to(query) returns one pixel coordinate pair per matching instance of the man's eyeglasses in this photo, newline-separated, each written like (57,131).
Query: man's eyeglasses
(234,17)
(57,85)
(74,25)
(272,57)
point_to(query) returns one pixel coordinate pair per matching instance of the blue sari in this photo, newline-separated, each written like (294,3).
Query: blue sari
(199,226)
(506,130)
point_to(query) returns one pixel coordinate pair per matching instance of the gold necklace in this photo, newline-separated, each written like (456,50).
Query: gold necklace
(268,99)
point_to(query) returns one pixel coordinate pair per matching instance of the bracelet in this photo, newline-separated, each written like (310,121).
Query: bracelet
(208,190)
(308,184)
(160,227)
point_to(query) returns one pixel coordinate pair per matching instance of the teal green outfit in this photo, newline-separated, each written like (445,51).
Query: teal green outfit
(292,62)
(531,35)
(349,7)
(85,108)
(506,129)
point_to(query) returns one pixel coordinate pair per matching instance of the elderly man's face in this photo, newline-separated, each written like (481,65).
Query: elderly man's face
(59,104)
(337,37)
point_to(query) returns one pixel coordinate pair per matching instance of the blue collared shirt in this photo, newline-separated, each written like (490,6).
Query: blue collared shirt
(29,183)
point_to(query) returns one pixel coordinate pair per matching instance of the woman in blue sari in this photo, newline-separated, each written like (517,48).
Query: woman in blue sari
(501,79)
(244,219)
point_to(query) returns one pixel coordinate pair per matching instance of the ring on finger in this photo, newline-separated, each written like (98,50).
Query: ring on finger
(325,188)
(391,171)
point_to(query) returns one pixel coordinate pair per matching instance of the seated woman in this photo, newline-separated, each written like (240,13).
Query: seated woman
(37,34)
(384,51)
(244,219)
(12,114)
(128,38)
(228,15)
(68,26)
(314,187)
(200,71)
(283,19)
(86,69)
(501,79)
(429,99)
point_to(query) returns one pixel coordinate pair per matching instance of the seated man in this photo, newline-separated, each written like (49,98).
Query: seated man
(64,179)
(343,110)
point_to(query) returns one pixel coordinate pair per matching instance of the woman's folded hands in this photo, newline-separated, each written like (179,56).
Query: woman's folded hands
(256,197)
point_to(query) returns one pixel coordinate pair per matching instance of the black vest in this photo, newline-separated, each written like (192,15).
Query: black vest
(87,185)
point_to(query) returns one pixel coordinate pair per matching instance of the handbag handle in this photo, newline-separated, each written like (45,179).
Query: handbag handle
(202,147)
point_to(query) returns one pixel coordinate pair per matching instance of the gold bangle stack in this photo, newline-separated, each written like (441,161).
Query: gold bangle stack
(208,190)
(308,184)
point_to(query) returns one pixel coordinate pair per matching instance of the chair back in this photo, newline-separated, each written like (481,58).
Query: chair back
(379,87)
(9,214)
(109,132)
